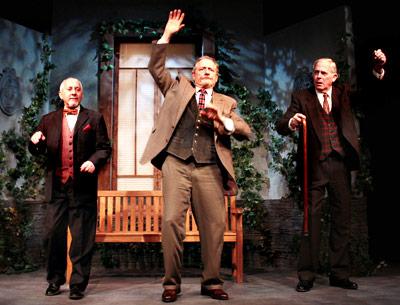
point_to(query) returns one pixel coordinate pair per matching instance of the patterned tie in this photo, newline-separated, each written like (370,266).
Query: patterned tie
(202,98)
(325,104)
(70,111)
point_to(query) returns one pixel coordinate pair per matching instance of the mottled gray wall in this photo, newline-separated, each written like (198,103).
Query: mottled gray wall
(19,53)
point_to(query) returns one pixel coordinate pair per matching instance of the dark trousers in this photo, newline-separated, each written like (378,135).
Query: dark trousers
(332,176)
(61,213)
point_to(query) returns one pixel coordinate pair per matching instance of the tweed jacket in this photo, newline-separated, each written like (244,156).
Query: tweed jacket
(178,92)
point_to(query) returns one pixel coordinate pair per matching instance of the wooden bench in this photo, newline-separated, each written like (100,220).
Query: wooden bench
(135,216)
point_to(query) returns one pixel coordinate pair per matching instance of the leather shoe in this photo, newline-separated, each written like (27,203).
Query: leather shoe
(343,283)
(218,294)
(170,295)
(53,289)
(75,293)
(304,286)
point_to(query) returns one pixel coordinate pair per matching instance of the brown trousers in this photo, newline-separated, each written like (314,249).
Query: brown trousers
(199,185)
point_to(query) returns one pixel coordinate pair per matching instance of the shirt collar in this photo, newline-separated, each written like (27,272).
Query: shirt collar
(208,90)
(321,94)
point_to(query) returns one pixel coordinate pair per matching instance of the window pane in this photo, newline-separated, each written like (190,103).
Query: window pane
(145,118)
(139,184)
(134,55)
(126,122)
(137,55)
(138,101)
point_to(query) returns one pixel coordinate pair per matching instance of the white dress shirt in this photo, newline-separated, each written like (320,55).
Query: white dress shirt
(72,118)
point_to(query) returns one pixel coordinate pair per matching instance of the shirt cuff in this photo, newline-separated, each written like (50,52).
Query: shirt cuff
(378,75)
(228,124)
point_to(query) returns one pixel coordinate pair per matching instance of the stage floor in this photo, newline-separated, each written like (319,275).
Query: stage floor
(275,288)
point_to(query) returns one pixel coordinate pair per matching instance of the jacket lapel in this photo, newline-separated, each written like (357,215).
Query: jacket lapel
(83,116)
(54,133)
(218,101)
(313,106)
(337,109)
(187,93)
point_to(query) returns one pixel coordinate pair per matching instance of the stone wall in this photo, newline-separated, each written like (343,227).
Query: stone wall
(276,250)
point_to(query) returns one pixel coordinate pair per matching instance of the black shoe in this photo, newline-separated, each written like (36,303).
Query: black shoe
(343,283)
(53,289)
(304,286)
(75,293)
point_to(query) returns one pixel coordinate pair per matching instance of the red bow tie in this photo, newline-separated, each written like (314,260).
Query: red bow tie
(71,111)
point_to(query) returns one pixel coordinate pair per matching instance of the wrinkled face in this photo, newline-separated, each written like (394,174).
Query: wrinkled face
(324,75)
(205,74)
(71,93)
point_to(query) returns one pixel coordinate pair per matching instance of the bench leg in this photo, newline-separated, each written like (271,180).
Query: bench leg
(237,263)
(237,253)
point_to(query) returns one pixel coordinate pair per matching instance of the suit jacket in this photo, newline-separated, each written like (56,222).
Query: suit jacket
(306,102)
(91,143)
(178,92)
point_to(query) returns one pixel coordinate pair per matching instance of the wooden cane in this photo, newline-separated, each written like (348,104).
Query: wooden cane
(69,263)
(305,179)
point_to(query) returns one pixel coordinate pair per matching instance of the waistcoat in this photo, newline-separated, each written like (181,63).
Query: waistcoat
(193,136)
(66,168)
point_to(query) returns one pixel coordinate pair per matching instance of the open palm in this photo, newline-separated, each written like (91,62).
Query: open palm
(174,23)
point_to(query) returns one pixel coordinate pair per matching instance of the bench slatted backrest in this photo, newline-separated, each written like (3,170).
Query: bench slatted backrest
(128,213)
(135,216)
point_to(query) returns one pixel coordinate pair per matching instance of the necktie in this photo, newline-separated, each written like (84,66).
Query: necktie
(325,104)
(70,111)
(202,98)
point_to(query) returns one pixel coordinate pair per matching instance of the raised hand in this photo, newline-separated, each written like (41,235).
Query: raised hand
(174,25)
(379,59)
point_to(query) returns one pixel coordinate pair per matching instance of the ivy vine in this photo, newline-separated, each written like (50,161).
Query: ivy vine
(21,180)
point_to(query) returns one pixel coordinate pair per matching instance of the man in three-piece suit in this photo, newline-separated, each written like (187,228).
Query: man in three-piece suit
(333,152)
(190,143)
(76,144)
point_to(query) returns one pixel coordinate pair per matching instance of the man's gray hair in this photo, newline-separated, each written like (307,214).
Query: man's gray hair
(330,61)
(65,80)
(206,57)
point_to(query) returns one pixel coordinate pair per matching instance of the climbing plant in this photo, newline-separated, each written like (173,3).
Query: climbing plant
(21,178)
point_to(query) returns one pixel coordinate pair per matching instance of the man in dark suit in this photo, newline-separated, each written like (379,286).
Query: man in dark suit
(76,143)
(382,98)
(191,146)
(333,152)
